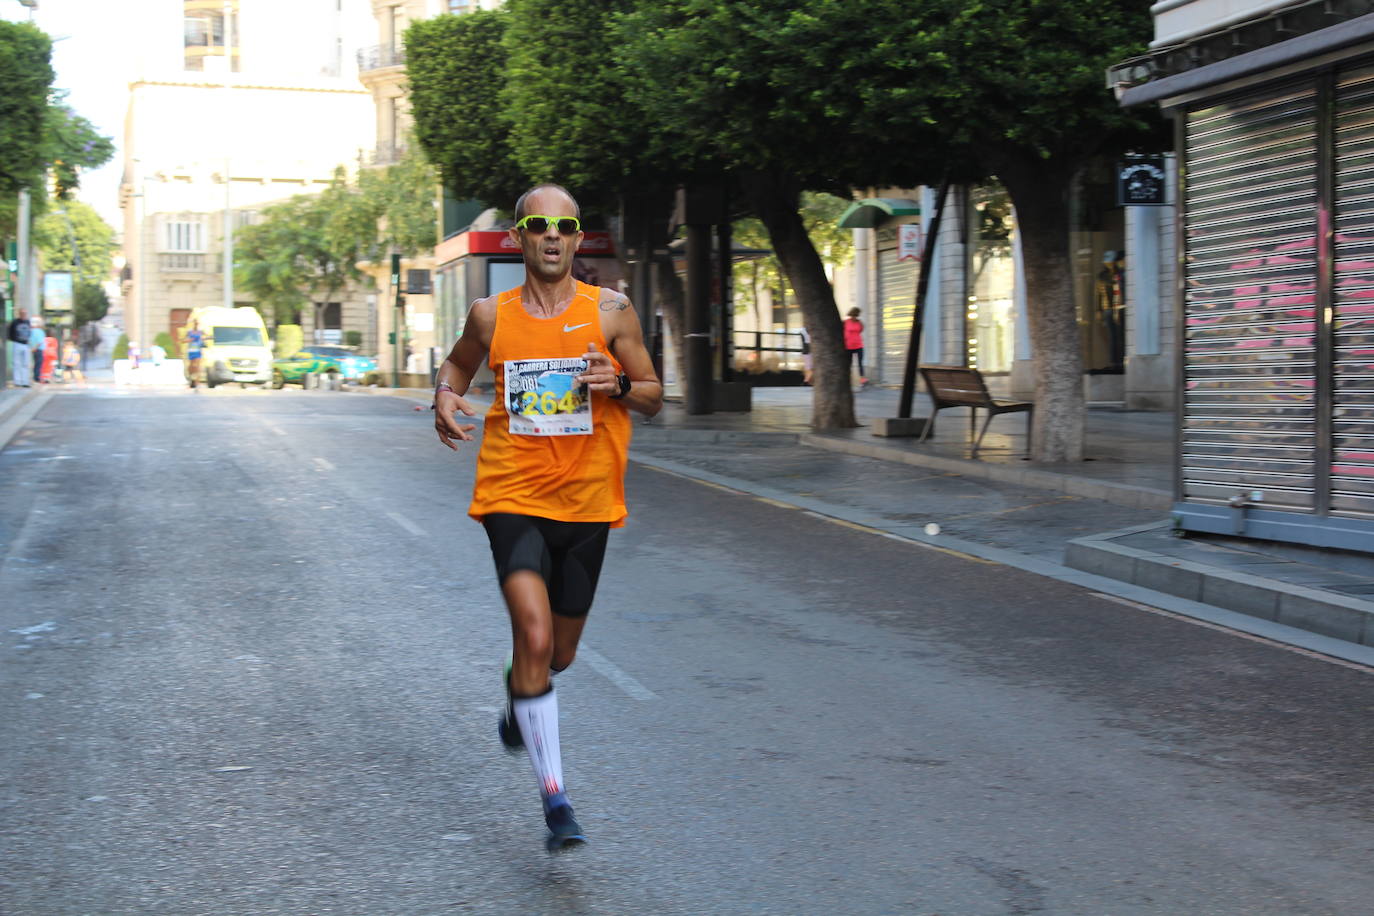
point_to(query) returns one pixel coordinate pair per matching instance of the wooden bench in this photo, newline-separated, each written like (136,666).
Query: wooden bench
(958,386)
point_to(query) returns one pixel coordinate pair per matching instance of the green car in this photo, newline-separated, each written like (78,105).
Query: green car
(293,369)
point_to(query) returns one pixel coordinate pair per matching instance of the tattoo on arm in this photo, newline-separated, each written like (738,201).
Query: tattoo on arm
(614,302)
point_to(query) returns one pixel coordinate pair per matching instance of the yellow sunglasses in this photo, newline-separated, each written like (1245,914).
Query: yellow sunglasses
(566,225)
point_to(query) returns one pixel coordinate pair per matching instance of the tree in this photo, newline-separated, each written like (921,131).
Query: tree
(761,91)
(279,261)
(503,100)
(820,214)
(26,73)
(795,94)
(456,65)
(71,143)
(402,200)
(1019,83)
(72,236)
(307,248)
(580,132)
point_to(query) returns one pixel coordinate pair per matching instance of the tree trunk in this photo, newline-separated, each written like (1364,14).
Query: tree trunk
(1040,193)
(668,287)
(777,202)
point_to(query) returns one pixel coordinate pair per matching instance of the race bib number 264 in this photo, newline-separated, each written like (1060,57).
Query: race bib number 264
(544,398)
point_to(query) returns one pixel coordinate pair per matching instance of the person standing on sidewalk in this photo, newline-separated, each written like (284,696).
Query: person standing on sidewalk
(854,343)
(71,363)
(18,335)
(570,363)
(36,341)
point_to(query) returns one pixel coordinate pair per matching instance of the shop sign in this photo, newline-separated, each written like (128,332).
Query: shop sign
(909,242)
(57,291)
(488,241)
(1141,182)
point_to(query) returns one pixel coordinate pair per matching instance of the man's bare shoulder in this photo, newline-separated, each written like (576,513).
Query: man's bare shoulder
(613,301)
(483,311)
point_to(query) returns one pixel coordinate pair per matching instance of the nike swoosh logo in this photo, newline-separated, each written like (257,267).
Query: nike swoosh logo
(573,327)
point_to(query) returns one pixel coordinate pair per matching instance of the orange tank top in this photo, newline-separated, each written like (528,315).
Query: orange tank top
(551,448)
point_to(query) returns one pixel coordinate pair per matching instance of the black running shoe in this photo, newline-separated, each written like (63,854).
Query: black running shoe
(506,728)
(563,828)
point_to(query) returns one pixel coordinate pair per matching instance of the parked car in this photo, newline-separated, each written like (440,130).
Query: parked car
(293,369)
(352,366)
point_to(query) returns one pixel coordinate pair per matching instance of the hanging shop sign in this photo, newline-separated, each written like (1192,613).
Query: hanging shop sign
(909,244)
(1141,182)
(57,291)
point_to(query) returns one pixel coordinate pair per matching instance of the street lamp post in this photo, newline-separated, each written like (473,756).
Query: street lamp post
(228,141)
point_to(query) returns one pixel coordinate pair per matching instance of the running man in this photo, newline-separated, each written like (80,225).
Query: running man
(570,364)
(195,340)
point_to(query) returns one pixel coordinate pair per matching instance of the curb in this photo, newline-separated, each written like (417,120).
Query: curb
(12,398)
(1121,494)
(1338,616)
(16,412)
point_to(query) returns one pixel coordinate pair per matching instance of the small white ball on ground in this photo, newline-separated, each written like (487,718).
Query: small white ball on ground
(932,529)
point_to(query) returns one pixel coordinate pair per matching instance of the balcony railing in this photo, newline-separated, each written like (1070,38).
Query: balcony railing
(177,262)
(375,58)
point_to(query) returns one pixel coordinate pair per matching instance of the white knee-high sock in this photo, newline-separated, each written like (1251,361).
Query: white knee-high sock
(537,718)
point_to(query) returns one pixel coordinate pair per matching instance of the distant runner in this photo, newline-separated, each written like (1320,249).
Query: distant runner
(570,364)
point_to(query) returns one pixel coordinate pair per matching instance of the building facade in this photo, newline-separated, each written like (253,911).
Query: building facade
(237,105)
(1273,104)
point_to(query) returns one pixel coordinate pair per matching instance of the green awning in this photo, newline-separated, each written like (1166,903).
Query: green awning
(869,212)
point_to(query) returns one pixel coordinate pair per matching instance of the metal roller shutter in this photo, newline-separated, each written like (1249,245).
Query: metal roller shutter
(1250,280)
(1352,399)
(897,295)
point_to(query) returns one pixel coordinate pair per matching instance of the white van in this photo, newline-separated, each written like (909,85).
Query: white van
(236,348)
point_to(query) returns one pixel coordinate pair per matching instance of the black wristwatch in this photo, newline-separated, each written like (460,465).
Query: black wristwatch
(624,381)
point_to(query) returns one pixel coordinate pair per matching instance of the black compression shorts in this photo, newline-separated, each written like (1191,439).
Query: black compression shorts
(566,554)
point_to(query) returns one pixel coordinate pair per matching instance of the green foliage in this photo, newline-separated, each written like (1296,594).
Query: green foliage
(304,249)
(89,303)
(121,349)
(353,338)
(72,236)
(403,200)
(290,339)
(167,342)
(307,248)
(26,74)
(71,143)
(455,65)
(570,121)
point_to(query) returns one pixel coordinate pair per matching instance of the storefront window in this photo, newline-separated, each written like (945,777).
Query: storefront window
(991,321)
(1098,241)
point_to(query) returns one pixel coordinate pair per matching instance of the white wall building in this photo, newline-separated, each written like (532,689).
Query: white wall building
(279,124)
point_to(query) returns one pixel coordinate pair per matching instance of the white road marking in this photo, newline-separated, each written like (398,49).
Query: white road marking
(603,666)
(406,523)
(323,464)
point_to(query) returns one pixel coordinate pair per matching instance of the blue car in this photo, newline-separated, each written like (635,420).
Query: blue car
(352,366)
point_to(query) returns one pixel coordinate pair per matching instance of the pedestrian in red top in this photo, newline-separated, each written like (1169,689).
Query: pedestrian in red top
(854,343)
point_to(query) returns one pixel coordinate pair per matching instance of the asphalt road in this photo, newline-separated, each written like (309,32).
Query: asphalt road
(249,664)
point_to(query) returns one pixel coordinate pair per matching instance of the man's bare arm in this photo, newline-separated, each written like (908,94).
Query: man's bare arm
(620,327)
(456,372)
